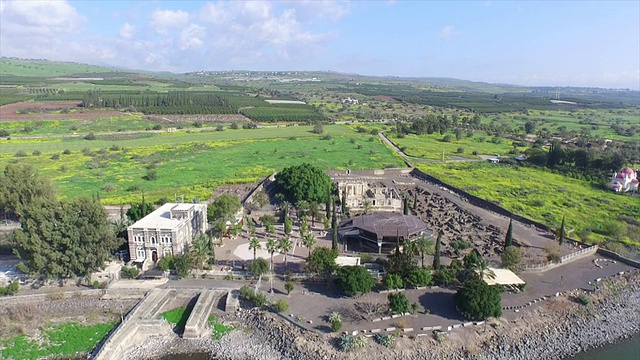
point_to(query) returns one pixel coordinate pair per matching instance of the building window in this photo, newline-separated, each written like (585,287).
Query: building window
(140,254)
(167,251)
(153,240)
(165,239)
(139,238)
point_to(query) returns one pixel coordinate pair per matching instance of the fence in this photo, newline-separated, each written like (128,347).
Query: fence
(563,260)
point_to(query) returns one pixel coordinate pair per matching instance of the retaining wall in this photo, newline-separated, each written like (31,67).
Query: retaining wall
(564,260)
(196,324)
(622,259)
(10,300)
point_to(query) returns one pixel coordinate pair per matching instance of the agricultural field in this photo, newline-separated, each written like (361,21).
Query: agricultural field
(120,170)
(45,68)
(593,214)
(65,340)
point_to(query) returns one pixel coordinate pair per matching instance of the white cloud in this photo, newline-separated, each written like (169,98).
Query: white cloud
(127,30)
(448,32)
(42,25)
(161,21)
(191,37)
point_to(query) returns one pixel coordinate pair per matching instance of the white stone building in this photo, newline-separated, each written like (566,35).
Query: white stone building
(168,230)
(624,181)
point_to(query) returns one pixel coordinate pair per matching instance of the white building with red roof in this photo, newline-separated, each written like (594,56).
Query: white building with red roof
(624,181)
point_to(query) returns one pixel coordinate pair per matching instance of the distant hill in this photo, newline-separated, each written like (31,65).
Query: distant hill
(47,68)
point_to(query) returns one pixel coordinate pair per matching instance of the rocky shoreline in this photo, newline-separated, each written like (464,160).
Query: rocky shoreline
(556,330)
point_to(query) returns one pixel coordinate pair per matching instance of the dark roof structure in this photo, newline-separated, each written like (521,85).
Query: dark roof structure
(390,225)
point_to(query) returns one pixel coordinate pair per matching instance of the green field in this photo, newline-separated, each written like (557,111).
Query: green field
(541,195)
(178,317)
(60,127)
(431,146)
(45,68)
(194,164)
(56,340)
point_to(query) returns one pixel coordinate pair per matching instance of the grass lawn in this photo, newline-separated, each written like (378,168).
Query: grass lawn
(540,195)
(58,127)
(430,146)
(57,340)
(196,168)
(178,317)
(218,329)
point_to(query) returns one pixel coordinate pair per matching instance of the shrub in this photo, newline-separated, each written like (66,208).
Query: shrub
(393,281)
(219,128)
(447,138)
(346,343)
(398,303)
(36,152)
(66,152)
(288,287)
(4,133)
(385,339)
(157,127)
(109,187)
(90,136)
(460,150)
(151,175)
(327,137)
(21,153)
(10,289)
(282,306)
(55,156)
(130,272)
(584,299)
(460,244)
(475,152)
(336,325)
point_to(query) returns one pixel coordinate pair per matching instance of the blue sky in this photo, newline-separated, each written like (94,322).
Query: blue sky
(573,43)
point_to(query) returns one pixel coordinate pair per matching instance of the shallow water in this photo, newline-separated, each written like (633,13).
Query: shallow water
(625,350)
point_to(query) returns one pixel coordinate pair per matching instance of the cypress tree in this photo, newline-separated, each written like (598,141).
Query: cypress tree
(343,203)
(561,235)
(415,201)
(406,206)
(508,241)
(327,204)
(334,225)
(436,256)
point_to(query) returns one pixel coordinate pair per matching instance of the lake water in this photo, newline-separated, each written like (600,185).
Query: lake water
(626,350)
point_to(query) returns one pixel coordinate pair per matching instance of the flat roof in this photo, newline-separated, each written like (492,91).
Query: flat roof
(503,277)
(385,224)
(161,217)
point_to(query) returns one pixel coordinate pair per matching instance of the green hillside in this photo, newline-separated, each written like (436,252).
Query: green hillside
(46,68)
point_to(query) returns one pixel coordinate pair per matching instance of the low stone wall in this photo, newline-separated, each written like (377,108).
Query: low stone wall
(19,299)
(622,259)
(197,323)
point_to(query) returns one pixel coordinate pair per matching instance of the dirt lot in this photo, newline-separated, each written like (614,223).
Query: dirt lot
(44,110)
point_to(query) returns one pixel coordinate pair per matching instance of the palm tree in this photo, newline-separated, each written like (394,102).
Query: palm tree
(285,206)
(314,212)
(254,244)
(409,248)
(200,250)
(285,245)
(481,269)
(303,208)
(425,246)
(309,241)
(367,206)
(272,248)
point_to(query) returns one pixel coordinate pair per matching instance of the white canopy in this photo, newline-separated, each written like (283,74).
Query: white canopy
(503,277)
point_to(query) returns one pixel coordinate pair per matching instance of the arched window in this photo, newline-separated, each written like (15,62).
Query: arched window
(140,253)
(153,240)
(139,238)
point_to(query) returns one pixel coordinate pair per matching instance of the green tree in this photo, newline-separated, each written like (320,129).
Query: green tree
(405,209)
(322,261)
(419,277)
(272,248)
(64,239)
(314,212)
(183,265)
(555,154)
(334,229)
(478,301)
(259,267)
(480,268)
(138,211)
(512,259)
(509,238)
(398,303)
(304,227)
(21,186)
(309,241)
(254,244)
(303,182)
(261,198)
(288,226)
(393,282)
(436,255)
(285,246)
(425,246)
(224,208)
(200,250)
(353,280)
